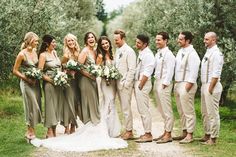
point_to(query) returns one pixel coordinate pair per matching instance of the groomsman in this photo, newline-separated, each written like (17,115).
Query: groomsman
(125,62)
(143,85)
(164,71)
(211,89)
(186,73)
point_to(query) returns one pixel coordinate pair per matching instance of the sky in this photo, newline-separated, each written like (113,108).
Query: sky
(115,4)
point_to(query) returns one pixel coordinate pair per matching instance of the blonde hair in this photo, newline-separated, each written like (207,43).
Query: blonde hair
(66,48)
(28,39)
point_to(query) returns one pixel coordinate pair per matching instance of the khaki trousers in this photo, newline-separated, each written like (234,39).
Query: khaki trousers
(142,99)
(163,97)
(185,105)
(210,109)
(124,96)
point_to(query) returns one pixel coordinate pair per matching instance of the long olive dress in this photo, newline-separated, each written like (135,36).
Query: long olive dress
(31,96)
(71,104)
(53,94)
(89,96)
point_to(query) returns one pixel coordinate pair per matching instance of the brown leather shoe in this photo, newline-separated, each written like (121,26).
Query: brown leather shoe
(178,138)
(147,137)
(128,135)
(186,141)
(164,140)
(209,142)
(205,138)
(158,138)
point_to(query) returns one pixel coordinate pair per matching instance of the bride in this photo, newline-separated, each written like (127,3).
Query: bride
(108,88)
(100,128)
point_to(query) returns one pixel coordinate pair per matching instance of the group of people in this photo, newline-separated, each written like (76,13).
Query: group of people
(185,67)
(81,97)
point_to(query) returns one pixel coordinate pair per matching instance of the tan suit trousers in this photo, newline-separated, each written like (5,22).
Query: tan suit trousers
(163,97)
(185,105)
(142,99)
(210,109)
(125,95)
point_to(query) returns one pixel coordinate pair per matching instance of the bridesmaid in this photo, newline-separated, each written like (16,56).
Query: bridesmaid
(87,83)
(109,92)
(71,52)
(48,62)
(30,88)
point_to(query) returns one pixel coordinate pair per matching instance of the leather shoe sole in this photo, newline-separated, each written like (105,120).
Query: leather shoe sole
(178,138)
(164,140)
(186,141)
(143,140)
(158,138)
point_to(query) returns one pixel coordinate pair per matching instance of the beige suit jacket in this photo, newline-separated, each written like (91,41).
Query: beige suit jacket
(125,62)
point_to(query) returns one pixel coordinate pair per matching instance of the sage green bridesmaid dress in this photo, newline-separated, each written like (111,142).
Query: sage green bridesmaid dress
(31,95)
(53,95)
(89,96)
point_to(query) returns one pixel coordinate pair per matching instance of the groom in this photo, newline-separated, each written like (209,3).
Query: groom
(125,62)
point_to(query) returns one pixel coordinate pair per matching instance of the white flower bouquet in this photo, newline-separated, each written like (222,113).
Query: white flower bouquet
(73,65)
(94,70)
(60,79)
(33,73)
(110,72)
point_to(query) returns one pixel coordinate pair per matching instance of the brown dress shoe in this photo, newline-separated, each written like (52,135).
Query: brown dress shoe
(147,137)
(158,138)
(128,135)
(164,140)
(178,138)
(186,141)
(209,142)
(205,138)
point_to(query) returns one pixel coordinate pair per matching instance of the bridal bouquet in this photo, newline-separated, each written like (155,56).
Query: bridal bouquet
(110,72)
(71,68)
(33,73)
(73,65)
(94,70)
(60,79)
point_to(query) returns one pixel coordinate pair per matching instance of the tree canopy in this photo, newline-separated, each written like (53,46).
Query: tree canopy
(56,17)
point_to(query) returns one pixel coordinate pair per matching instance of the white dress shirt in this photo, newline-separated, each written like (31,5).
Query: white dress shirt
(145,64)
(187,65)
(164,65)
(212,64)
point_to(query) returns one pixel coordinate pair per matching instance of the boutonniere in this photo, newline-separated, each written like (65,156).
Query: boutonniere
(205,59)
(139,60)
(182,55)
(120,55)
(160,56)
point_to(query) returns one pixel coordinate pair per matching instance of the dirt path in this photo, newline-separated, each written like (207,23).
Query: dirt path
(172,149)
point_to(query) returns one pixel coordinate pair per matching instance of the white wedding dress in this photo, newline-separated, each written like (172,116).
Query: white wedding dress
(89,137)
(109,108)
